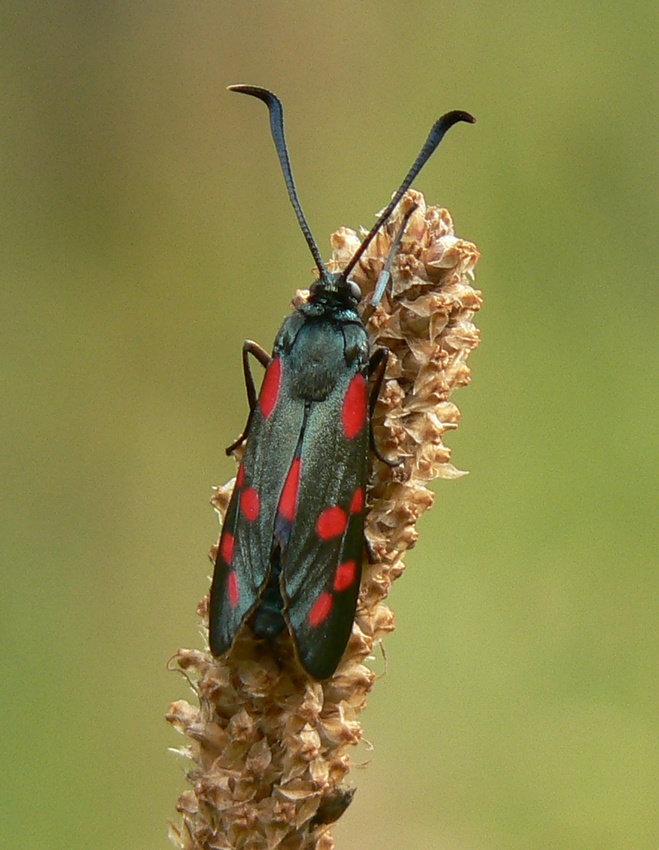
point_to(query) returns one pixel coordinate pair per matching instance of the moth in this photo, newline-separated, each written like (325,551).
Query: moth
(292,543)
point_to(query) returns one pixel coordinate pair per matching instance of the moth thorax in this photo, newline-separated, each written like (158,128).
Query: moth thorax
(316,359)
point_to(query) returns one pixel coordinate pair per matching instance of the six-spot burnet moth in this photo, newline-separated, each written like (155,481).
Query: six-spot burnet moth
(292,542)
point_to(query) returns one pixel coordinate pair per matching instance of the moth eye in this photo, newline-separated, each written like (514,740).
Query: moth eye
(355,291)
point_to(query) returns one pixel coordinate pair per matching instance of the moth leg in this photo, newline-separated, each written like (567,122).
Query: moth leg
(264,359)
(377,366)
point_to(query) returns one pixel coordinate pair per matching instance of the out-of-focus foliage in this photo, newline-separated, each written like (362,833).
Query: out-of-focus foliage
(146,232)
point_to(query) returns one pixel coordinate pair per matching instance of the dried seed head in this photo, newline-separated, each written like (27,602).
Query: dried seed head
(270,747)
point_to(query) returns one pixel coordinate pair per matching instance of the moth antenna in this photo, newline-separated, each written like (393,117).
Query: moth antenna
(276,111)
(437,133)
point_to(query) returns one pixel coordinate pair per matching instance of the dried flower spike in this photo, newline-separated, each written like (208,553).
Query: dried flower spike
(270,746)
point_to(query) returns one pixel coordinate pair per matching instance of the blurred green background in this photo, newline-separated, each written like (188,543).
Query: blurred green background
(146,233)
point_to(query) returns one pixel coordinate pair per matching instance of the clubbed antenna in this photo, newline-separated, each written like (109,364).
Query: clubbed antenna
(437,133)
(277,127)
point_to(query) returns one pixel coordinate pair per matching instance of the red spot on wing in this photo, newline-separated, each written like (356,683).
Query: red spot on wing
(357,504)
(226,547)
(320,610)
(288,500)
(345,575)
(240,478)
(250,504)
(233,588)
(331,523)
(355,407)
(270,388)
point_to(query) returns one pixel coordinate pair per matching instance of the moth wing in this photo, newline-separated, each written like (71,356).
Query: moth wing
(321,564)
(243,559)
